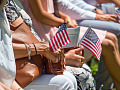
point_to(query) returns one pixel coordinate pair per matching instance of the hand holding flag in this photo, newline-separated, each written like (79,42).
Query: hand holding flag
(91,41)
(61,38)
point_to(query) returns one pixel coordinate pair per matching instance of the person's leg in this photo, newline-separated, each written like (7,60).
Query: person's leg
(64,82)
(101,35)
(102,77)
(103,25)
(111,57)
(83,76)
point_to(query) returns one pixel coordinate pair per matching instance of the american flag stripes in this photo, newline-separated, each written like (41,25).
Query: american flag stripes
(61,38)
(117,13)
(91,41)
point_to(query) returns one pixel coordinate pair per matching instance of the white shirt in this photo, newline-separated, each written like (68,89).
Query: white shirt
(77,9)
(92,2)
(7,60)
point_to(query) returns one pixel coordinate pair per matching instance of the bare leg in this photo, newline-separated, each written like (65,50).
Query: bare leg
(116,85)
(114,39)
(111,57)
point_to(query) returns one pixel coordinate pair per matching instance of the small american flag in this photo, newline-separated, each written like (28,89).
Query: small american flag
(117,13)
(91,41)
(61,38)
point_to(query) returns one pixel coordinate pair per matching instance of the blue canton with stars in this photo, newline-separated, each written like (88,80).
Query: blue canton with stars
(62,27)
(91,35)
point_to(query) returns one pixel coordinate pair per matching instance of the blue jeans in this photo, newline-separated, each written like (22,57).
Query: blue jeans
(103,25)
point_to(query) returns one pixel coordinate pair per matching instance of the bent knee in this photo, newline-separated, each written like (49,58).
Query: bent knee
(111,36)
(63,82)
(108,45)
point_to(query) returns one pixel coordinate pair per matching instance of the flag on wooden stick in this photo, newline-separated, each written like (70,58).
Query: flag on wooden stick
(60,39)
(91,41)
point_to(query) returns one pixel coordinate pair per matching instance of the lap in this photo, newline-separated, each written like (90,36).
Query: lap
(83,76)
(62,81)
(103,25)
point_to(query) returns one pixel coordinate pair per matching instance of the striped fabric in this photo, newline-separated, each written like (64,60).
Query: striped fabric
(91,41)
(60,39)
(117,13)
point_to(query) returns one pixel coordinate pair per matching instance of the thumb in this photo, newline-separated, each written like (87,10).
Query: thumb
(78,50)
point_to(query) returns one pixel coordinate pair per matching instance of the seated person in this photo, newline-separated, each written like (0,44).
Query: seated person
(66,81)
(37,10)
(83,13)
(88,79)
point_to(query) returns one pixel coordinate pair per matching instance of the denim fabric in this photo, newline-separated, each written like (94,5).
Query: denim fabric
(103,25)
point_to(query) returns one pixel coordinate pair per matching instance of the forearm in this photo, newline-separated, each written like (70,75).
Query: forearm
(3,87)
(15,86)
(43,16)
(20,50)
(74,12)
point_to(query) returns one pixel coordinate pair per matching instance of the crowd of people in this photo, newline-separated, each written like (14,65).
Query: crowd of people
(43,18)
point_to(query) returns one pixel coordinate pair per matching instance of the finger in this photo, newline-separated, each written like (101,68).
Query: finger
(54,60)
(66,20)
(78,50)
(80,57)
(81,64)
(114,16)
(113,19)
(62,59)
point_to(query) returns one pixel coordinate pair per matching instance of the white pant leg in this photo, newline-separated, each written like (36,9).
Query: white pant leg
(65,82)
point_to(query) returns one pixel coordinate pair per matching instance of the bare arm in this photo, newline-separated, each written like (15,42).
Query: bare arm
(20,51)
(3,87)
(72,23)
(41,15)
(15,86)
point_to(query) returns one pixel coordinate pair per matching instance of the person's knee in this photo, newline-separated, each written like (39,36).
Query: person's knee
(108,45)
(63,82)
(111,36)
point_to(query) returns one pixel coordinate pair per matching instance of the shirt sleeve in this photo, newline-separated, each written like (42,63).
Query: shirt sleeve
(75,12)
(82,4)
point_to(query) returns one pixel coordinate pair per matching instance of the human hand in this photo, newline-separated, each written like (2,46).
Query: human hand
(43,48)
(73,59)
(74,23)
(107,17)
(71,23)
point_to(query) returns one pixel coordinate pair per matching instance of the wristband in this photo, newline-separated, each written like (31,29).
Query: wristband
(29,50)
(35,48)
(95,10)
